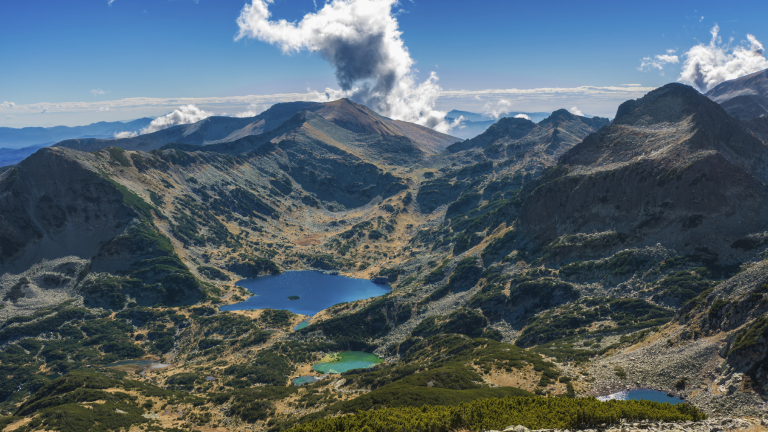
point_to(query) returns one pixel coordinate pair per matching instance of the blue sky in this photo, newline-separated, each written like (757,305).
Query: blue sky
(90,52)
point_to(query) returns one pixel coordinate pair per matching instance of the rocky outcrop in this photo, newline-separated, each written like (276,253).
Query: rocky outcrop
(674,168)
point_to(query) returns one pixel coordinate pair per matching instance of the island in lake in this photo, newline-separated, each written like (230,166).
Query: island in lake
(293,297)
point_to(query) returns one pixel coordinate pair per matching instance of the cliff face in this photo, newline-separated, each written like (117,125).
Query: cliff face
(673,168)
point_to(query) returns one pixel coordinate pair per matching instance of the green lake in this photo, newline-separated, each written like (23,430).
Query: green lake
(349,360)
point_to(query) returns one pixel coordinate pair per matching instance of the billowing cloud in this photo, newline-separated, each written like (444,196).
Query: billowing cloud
(184,115)
(97,91)
(7,104)
(497,108)
(523,116)
(576,111)
(126,134)
(362,42)
(707,65)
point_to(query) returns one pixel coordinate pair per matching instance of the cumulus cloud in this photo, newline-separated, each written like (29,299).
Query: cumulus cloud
(658,62)
(362,42)
(7,104)
(126,134)
(97,91)
(498,108)
(523,116)
(184,115)
(103,108)
(707,65)
(252,111)
(576,111)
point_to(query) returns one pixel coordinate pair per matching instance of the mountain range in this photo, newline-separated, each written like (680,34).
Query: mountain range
(567,257)
(473,124)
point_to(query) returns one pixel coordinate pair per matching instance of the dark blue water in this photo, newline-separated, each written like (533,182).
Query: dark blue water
(643,394)
(317,291)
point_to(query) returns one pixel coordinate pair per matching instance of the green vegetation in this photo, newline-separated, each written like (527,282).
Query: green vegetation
(748,339)
(370,322)
(462,321)
(681,286)
(575,319)
(119,156)
(70,404)
(621,264)
(251,266)
(293,297)
(212,273)
(483,414)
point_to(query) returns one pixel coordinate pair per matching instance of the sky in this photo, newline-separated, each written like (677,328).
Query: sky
(77,62)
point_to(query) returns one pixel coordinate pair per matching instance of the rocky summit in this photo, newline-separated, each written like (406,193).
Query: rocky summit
(531,267)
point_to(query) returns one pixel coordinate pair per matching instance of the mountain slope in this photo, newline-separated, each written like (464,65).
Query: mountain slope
(744,98)
(672,168)
(215,130)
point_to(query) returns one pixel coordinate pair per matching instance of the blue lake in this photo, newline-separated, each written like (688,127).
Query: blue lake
(643,394)
(316,291)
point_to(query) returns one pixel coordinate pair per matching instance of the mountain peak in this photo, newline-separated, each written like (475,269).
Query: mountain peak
(670,103)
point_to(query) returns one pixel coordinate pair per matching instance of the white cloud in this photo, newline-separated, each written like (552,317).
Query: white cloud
(707,65)
(126,134)
(362,42)
(109,2)
(103,108)
(576,111)
(7,104)
(252,111)
(184,115)
(9,116)
(658,62)
(97,92)
(601,101)
(523,116)
(498,108)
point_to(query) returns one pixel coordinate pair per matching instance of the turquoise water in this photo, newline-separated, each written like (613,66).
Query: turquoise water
(643,394)
(305,380)
(349,360)
(301,325)
(317,291)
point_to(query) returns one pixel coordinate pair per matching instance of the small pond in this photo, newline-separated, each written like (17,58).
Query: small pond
(347,361)
(137,364)
(301,325)
(642,394)
(309,379)
(316,291)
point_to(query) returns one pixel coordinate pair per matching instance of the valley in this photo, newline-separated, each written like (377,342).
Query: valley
(533,265)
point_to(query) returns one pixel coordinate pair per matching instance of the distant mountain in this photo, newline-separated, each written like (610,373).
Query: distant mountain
(744,98)
(474,124)
(38,136)
(529,147)
(218,130)
(672,168)
(12,156)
